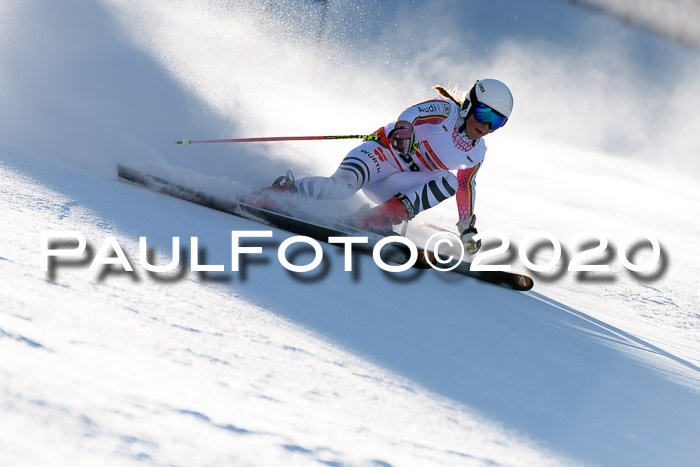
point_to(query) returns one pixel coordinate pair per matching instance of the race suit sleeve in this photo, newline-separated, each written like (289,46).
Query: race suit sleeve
(432,112)
(466,180)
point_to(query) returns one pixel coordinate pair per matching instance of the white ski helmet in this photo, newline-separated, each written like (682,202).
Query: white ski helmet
(492,93)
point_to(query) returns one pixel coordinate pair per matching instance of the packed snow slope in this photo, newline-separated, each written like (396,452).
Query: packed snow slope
(266,367)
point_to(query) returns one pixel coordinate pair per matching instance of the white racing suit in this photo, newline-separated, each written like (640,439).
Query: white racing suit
(425,178)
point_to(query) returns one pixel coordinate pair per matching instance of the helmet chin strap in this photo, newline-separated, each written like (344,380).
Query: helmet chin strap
(466,109)
(463,115)
(468,103)
(462,124)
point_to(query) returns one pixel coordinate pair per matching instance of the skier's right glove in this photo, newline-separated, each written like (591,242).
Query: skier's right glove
(402,137)
(467,231)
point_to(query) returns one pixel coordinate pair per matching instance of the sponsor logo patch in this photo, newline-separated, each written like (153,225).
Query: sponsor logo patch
(522,281)
(434,108)
(408,205)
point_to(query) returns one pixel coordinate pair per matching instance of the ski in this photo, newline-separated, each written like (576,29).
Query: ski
(393,252)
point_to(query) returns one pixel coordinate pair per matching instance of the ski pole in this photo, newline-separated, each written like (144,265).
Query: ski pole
(378,139)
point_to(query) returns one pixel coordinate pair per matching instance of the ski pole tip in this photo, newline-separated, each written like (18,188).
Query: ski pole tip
(183,141)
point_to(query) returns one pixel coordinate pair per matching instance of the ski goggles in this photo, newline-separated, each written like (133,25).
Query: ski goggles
(485,114)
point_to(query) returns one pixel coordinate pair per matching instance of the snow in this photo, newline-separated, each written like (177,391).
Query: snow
(265,367)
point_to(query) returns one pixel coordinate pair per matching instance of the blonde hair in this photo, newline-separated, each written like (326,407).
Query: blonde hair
(450,94)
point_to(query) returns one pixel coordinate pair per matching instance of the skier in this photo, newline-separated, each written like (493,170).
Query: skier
(413,172)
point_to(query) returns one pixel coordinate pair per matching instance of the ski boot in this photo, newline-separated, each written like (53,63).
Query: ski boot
(271,197)
(383,217)
(282,184)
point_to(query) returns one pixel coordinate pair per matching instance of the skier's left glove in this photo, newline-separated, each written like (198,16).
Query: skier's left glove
(467,231)
(402,137)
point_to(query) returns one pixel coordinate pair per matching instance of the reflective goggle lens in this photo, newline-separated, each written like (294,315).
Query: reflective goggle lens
(485,114)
